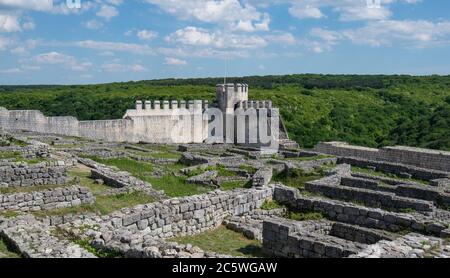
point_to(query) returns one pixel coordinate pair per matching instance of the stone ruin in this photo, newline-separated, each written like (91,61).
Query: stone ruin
(65,196)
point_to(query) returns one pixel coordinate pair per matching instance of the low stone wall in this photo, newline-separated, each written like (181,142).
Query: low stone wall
(416,191)
(283,239)
(262,177)
(430,159)
(369,197)
(119,179)
(33,238)
(189,215)
(22,174)
(46,200)
(359,215)
(409,246)
(397,169)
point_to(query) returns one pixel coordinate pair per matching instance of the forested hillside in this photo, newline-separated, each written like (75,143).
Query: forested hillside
(367,110)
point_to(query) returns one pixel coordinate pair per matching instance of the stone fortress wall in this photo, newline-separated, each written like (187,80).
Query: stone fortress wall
(425,158)
(150,122)
(155,125)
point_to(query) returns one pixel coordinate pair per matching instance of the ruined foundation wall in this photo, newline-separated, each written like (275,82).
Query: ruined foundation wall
(20,174)
(190,215)
(46,200)
(431,159)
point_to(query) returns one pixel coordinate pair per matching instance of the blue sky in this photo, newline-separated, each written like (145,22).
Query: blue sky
(55,42)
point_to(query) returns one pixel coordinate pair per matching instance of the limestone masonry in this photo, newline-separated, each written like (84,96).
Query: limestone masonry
(154,185)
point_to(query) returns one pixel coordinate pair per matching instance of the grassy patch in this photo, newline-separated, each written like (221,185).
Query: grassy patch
(103,205)
(304,216)
(99,253)
(9,214)
(251,170)
(7,252)
(270,205)
(175,186)
(385,175)
(17,157)
(231,185)
(166,155)
(224,172)
(136,168)
(224,241)
(85,180)
(297,178)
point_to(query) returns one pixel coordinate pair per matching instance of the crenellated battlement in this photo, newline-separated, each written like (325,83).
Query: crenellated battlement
(232,88)
(267,104)
(157,105)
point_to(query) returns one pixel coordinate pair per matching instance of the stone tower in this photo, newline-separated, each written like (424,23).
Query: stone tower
(228,95)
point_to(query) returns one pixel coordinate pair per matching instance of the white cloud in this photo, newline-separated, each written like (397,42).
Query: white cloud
(147,35)
(194,36)
(107,12)
(9,22)
(408,33)
(282,38)
(175,62)
(235,14)
(56,58)
(401,33)
(117,67)
(11,71)
(115,46)
(93,24)
(36,5)
(305,11)
(348,10)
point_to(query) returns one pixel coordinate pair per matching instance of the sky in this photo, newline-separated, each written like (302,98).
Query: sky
(100,41)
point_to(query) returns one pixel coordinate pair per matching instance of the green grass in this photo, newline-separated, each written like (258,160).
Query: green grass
(270,205)
(99,253)
(136,168)
(223,172)
(166,155)
(7,252)
(224,241)
(103,205)
(17,142)
(304,216)
(175,186)
(248,168)
(17,157)
(85,180)
(385,175)
(297,179)
(231,185)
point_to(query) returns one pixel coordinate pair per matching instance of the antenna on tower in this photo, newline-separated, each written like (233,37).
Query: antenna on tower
(226,70)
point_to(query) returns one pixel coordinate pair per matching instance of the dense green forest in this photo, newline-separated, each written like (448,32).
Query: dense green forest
(373,110)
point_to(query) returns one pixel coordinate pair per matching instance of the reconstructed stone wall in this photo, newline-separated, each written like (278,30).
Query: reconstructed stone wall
(165,125)
(45,200)
(22,174)
(425,158)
